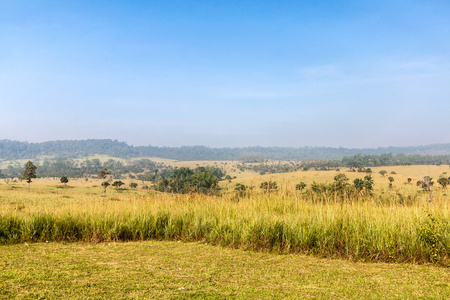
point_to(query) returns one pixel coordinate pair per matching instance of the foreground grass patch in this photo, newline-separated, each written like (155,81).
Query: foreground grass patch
(176,270)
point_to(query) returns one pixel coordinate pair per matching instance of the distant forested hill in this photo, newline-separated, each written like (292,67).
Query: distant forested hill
(11,150)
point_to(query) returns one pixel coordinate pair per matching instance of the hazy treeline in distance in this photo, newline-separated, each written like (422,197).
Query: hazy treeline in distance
(11,150)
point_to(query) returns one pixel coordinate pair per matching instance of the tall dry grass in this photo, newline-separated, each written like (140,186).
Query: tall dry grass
(386,226)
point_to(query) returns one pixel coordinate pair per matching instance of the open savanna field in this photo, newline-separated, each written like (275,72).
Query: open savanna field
(68,240)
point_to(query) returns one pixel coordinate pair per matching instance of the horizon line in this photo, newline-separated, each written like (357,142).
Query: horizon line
(227,147)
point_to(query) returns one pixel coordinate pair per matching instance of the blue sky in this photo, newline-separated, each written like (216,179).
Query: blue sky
(226,73)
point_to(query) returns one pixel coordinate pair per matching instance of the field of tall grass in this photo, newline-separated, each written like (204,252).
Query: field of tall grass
(399,224)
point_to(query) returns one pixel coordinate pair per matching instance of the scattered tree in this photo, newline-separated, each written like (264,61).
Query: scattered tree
(240,187)
(118,184)
(29,173)
(133,185)
(103,174)
(105,184)
(427,183)
(241,190)
(340,182)
(366,183)
(391,180)
(383,172)
(64,180)
(268,186)
(443,181)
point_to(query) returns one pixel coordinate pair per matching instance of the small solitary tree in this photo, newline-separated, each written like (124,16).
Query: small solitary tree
(64,180)
(383,172)
(133,185)
(427,183)
(241,190)
(443,181)
(29,173)
(103,174)
(105,184)
(117,184)
(366,183)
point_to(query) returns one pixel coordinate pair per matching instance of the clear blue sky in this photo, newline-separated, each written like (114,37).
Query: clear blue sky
(226,73)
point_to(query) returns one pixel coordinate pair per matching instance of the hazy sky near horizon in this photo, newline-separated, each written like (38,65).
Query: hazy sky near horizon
(226,73)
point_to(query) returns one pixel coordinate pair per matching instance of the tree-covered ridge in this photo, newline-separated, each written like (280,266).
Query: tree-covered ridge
(391,159)
(11,150)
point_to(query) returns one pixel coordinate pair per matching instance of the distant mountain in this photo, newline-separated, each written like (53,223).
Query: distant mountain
(11,150)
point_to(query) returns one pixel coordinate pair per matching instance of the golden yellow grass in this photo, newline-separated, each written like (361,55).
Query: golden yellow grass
(386,226)
(416,172)
(230,167)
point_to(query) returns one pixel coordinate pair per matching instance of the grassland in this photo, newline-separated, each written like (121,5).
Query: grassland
(396,224)
(177,270)
(402,173)
(68,242)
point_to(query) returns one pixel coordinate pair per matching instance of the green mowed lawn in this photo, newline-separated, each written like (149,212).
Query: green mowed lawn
(177,270)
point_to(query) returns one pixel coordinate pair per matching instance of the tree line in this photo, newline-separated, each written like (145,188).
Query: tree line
(390,159)
(12,150)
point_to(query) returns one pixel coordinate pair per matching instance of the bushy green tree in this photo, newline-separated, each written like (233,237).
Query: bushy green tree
(184,180)
(64,180)
(118,184)
(366,183)
(340,181)
(204,181)
(29,173)
(443,182)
